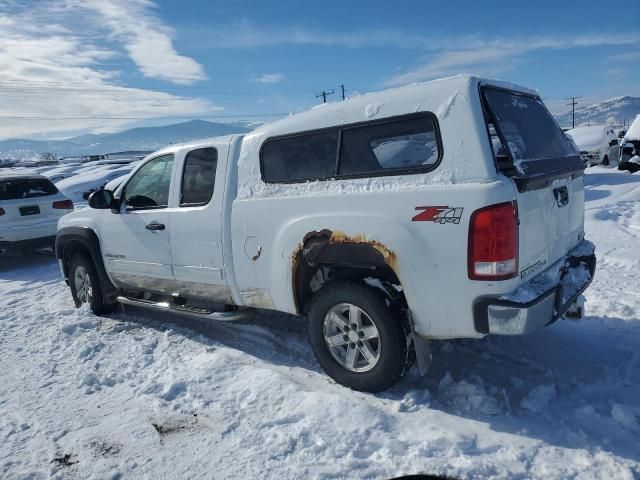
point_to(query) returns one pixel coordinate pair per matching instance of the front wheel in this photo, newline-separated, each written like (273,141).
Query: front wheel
(85,285)
(358,340)
(605,161)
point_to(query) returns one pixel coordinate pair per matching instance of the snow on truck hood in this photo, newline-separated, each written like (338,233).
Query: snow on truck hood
(633,134)
(589,138)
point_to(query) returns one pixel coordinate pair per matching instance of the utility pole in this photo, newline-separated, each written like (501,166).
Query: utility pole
(342,88)
(324,94)
(573,104)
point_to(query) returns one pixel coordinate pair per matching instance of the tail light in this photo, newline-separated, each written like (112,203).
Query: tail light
(63,205)
(493,243)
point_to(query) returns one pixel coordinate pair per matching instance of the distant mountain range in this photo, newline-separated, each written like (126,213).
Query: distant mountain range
(614,111)
(141,139)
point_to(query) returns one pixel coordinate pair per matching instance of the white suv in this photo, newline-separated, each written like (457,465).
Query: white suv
(30,207)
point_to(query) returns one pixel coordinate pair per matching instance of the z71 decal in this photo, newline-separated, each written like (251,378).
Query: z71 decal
(439,214)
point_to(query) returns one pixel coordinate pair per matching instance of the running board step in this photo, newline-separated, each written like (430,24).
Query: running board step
(193,311)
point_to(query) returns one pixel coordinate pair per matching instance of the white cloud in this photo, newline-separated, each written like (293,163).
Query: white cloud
(499,55)
(627,57)
(269,78)
(489,60)
(57,76)
(441,55)
(245,34)
(145,37)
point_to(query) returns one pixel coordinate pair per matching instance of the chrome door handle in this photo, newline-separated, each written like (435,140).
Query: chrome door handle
(155,226)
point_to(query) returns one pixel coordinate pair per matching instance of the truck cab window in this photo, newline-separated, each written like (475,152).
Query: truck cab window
(309,156)
(149,186)
(400,144)
(198,177)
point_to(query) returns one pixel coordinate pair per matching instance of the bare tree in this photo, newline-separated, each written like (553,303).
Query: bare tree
(49,156)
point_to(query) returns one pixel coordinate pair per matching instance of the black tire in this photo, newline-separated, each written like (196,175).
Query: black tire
(393,358)
(605,161)
(96,303)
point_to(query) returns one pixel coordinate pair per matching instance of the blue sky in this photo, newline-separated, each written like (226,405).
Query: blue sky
(76,66)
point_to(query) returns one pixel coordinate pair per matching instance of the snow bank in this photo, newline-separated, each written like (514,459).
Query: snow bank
(539,398)
(145,395)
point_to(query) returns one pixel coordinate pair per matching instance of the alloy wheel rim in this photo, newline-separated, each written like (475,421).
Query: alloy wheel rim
(82,282)
(352,337)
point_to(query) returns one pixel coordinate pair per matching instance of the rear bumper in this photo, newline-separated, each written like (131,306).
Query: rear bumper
(26,245)
(29,231)
(540,301)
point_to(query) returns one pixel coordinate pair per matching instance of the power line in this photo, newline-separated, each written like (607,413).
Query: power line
(324,94)
(132,91)
(573,104)
(240,116)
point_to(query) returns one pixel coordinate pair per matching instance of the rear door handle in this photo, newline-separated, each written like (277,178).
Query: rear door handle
(155,226)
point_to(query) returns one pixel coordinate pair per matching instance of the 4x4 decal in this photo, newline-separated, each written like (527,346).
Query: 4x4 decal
(439,214)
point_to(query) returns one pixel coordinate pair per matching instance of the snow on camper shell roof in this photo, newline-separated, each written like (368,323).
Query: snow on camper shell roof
(334,113)
(437,96)
(415,97)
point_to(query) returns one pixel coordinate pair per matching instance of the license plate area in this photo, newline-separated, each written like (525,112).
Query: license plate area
(30,210)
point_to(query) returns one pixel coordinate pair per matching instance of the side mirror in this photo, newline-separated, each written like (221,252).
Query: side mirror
(613,143)
(102,200)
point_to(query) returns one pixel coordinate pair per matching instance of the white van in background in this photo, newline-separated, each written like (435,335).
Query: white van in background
(598,144)
(630,148)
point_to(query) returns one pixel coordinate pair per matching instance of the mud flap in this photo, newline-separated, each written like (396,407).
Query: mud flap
(423,353)
(576,311)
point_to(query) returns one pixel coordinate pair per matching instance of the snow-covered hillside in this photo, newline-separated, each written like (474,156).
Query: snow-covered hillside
(149,396)
(613,111)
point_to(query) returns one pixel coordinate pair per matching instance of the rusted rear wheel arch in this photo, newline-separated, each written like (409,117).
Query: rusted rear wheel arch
(341,257)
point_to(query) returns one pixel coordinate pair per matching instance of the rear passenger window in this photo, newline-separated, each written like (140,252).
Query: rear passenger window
(309,156)
(392,146)
(395,145)
(199,177)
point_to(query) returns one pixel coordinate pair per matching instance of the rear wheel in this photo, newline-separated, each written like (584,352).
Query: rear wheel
(85,285)
(357,338)
(605,161)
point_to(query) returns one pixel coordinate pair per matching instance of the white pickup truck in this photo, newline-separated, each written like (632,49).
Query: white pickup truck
(387,220)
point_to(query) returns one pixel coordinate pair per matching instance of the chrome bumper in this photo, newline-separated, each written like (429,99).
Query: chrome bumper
(522,312)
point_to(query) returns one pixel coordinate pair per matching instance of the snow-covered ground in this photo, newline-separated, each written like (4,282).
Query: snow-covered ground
(149,396)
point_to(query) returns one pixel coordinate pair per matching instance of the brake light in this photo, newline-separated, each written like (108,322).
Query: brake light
(493,242)
(63,204)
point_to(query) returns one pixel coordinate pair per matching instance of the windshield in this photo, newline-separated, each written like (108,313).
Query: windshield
(526,135)
(16,188)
